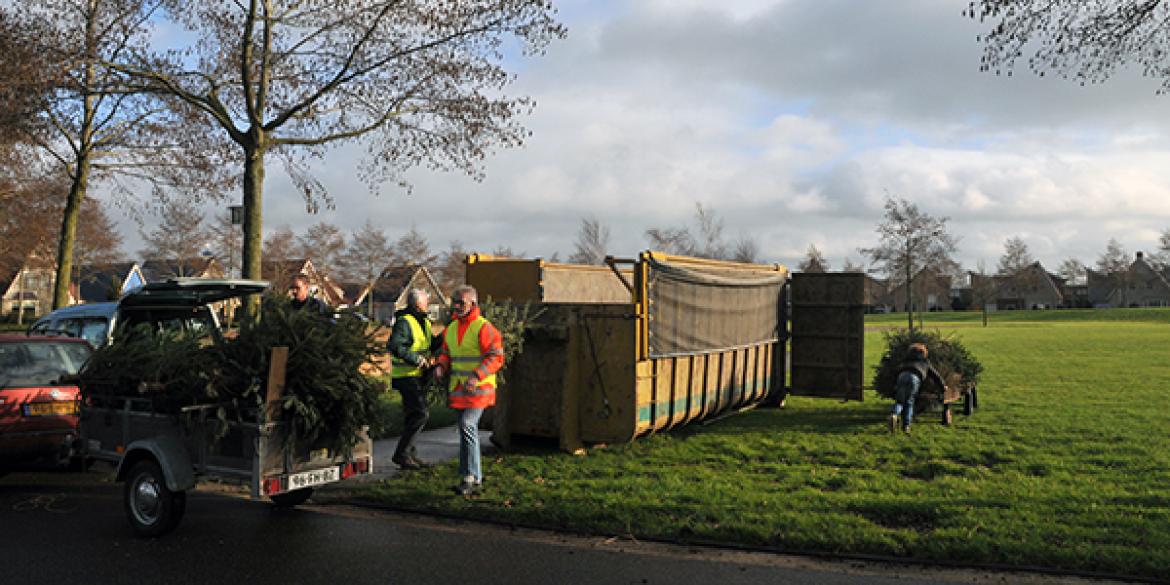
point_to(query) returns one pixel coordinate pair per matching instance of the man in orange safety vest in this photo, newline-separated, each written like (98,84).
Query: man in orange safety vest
(472,351)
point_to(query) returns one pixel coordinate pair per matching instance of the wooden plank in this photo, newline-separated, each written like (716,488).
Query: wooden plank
(277,370)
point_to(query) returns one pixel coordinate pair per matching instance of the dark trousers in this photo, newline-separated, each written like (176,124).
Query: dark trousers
(414,410)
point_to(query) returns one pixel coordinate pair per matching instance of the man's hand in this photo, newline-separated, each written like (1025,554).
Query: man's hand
(470,384)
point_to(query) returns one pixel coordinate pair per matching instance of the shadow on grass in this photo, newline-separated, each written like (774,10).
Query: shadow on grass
(828,420)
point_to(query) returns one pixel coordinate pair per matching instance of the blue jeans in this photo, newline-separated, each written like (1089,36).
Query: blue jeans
(469,465)
(905,393)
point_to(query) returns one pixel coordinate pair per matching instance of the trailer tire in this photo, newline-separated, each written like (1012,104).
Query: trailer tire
(291,499)
(151,507)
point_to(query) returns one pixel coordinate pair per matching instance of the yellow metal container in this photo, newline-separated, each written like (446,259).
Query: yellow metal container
(588,372)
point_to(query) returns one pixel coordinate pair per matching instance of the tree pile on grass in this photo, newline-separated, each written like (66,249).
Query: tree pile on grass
(326,397)
(947,354)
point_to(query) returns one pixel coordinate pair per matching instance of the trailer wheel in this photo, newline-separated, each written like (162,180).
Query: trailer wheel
(291,499)
(948,416)
(152,508)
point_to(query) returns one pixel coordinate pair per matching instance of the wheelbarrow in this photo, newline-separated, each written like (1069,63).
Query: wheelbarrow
(956,392)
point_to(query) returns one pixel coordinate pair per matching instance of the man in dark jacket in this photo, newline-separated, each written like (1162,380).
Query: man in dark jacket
(299,292)
(913,371)
(411,346)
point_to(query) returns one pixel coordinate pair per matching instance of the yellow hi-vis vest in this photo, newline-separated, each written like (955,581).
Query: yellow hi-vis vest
(464,359)
(420,336)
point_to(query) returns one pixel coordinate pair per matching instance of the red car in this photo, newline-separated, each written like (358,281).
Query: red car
(39,399)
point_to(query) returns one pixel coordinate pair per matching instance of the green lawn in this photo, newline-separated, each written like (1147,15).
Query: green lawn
(1065,465)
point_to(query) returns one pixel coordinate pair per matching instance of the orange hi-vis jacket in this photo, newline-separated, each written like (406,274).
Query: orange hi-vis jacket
(472,347)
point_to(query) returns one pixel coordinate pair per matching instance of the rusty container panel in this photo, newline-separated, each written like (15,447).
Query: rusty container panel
(827,335)
(573,283)
(584,374)
(505,278)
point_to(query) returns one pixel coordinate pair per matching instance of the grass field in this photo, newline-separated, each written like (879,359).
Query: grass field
(1065,465)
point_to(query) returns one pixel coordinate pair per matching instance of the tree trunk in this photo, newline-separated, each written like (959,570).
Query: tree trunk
(68,238)
(253,223)
(909,293)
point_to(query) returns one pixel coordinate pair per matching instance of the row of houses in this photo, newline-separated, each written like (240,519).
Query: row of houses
(1142,284)
(31,287)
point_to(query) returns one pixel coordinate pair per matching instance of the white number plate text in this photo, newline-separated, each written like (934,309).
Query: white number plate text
(306,479)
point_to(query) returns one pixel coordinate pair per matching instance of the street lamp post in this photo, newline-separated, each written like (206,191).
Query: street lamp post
(237,212)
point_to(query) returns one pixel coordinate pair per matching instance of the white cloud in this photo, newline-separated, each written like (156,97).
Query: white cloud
(793,120)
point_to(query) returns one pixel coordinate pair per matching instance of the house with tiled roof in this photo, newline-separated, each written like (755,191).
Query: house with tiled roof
(98,283)
(390,289)
(1031,288)
(1141,285)
(932,292)
(27,286)
(161,269)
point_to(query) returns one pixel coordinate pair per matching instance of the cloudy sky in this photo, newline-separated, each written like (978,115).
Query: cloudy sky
(793,120)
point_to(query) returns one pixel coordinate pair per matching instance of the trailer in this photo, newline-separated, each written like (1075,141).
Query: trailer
(160,451)
(161,455)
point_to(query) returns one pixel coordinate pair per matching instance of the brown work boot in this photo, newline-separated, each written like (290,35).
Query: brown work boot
(409,463)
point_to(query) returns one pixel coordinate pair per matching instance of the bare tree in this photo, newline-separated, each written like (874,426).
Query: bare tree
(29,77)
(983,288)
(368,253)
(813,261)
(1017,266)
(1016,258)
(910,242)
(746,249)
(180,234)
(92,126)
(413,248)
(672,240)
(325,244)
(281,244)
(508,252)
(452,266)
(1071,270)
(28,217)
(592,242)
(1161,257)
(226,240)
(849,266)
(1083,41)
(1113,264)
(709,243)
(704,241)
(423,82)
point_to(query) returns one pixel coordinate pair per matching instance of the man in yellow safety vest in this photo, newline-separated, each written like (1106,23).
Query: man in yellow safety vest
(411,345)
(473,351)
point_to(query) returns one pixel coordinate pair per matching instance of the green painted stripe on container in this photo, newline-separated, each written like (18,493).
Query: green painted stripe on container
(680,403)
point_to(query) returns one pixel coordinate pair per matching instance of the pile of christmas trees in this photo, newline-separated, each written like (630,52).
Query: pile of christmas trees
(325,395)
(947,354)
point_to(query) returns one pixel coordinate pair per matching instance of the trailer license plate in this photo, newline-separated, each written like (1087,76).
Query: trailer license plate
(306,479)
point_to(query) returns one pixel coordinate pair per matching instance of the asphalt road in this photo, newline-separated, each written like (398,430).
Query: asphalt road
(69,528)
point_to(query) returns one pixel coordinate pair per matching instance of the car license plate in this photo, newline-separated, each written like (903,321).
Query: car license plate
(50,408)
(306,479)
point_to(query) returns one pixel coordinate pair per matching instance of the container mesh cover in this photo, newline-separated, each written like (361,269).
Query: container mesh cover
(704,309)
